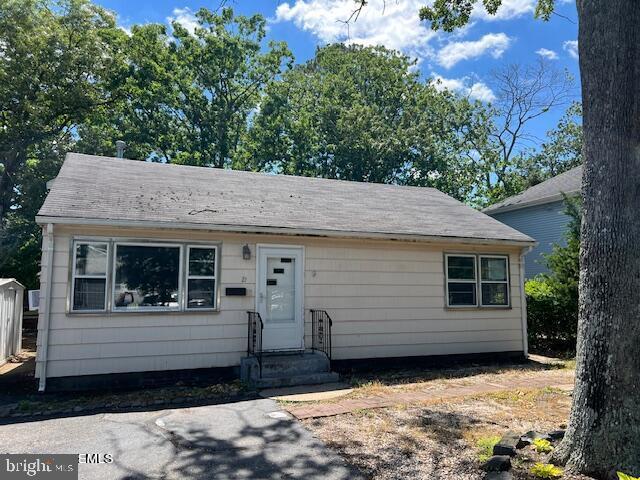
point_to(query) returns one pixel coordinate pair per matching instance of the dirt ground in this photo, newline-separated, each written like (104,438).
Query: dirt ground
(439,439)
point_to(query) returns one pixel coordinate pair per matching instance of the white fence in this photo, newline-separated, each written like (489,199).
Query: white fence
(11,295)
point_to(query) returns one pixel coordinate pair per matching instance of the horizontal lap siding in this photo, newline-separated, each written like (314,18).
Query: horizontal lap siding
(386,300)
(129,342)
(389,301)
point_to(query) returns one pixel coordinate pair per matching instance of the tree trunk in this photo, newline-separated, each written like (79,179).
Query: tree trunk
(604,427)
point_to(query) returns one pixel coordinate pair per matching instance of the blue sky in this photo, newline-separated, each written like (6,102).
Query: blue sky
(463,60)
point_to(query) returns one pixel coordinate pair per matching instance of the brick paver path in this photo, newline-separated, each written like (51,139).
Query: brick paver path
(562,380)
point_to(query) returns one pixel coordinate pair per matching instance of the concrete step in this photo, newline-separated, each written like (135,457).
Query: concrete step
(275,366)
(290,381)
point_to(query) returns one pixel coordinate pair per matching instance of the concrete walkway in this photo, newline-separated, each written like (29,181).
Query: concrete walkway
(427,395)
(245,440)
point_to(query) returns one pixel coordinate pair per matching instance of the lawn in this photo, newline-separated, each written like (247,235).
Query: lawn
(446,438)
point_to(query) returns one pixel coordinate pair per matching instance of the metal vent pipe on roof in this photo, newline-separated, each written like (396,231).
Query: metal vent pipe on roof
(120,146)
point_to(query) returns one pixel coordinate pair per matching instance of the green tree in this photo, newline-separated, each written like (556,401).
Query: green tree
(552,298)
(362,113)
(58,61)
(190,93)
(561,151)
(604,426)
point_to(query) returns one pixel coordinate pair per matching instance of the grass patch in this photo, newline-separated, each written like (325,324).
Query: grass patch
(546,470)
(485,447)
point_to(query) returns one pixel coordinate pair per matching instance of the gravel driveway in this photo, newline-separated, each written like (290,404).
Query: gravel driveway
(251,439)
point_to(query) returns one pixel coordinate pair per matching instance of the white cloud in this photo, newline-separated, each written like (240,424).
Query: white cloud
(395,25)
(508,10)
(464,86)
(548,54)
(571,46)
(185,17)
(493,43)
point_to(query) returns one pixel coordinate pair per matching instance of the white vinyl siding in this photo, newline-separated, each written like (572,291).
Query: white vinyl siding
(386,299)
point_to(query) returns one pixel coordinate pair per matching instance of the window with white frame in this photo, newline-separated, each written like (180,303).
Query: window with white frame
(461,280)
(494,280)
(143,276)
(469,276)
(89,276)
(201,277)
(146,277)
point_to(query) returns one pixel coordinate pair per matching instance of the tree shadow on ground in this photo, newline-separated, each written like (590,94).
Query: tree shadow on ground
(281,448)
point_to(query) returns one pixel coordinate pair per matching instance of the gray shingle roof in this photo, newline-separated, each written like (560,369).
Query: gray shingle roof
(550,190)
(104,190)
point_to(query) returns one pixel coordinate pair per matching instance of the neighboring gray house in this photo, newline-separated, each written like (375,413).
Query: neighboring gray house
(539,213)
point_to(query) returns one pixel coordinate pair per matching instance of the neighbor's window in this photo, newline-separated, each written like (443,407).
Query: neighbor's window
(146,277)
(461,280)
(494,281)
(89,281)
(201,277)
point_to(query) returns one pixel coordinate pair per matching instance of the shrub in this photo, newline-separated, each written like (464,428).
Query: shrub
(624,476)
(485,447)
(542,446)
(552,299)
(546,470)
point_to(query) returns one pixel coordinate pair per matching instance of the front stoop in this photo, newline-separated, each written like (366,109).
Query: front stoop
(287,370)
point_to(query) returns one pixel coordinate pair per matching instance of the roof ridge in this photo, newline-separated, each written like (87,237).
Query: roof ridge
(239,172)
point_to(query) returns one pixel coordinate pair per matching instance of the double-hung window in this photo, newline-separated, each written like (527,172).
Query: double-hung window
(89,276)
(469,276)
(494,281)
(461,281)
(201,277)
(121,276)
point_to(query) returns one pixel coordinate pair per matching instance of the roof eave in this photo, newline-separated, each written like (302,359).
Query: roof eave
(43,219)
(539,201)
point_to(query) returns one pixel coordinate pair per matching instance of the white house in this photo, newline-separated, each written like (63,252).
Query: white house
(150,267)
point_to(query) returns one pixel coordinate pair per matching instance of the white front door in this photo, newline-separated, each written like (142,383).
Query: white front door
(279,291)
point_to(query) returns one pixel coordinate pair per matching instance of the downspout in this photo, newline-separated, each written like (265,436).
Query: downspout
(523,304)
(46,315)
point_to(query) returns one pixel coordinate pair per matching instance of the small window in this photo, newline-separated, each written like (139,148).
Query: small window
(146,277)
(201,277)
(89,281)
(494,281)
(461,280)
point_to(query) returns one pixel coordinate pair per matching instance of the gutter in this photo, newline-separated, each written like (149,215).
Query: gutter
(278,231)
(523,304)
(46,316)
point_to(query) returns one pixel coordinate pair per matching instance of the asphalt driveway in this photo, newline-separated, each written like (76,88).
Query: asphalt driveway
(252,439)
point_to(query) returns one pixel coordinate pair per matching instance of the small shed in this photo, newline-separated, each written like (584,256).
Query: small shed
(11,296)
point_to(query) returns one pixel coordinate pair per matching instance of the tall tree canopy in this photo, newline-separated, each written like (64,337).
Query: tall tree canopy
(189,94)
(362,113)
(59,61)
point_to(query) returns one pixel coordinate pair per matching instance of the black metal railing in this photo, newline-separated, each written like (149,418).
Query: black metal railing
(254,337)
(321,332)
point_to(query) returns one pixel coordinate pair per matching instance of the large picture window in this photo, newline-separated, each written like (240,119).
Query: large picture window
(143,276)
(146,277)
(469,276)
(89,276)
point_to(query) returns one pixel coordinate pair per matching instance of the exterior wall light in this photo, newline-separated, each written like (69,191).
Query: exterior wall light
(246,252)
